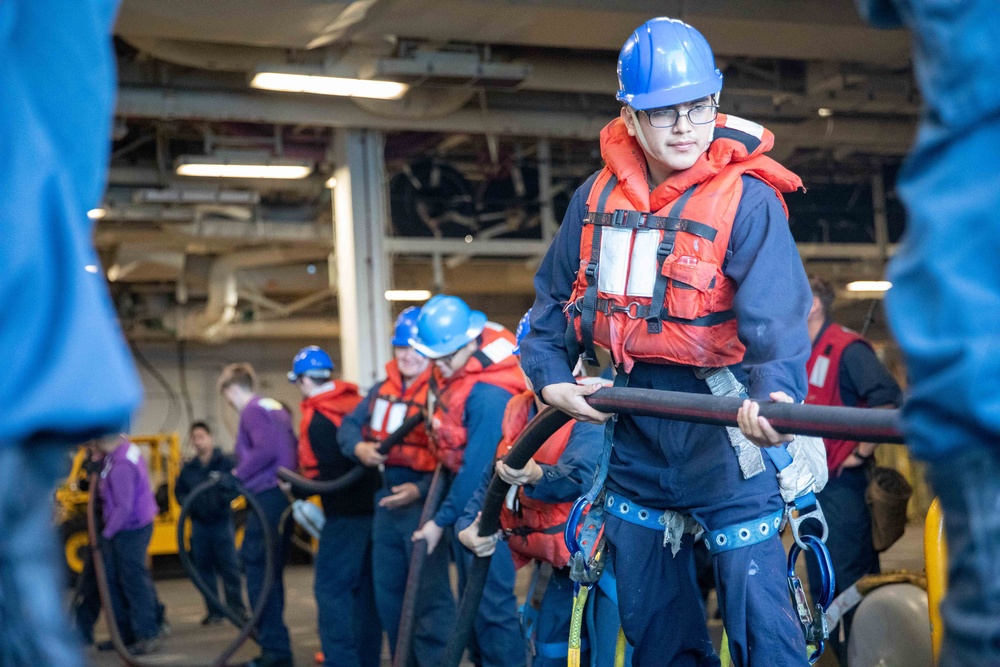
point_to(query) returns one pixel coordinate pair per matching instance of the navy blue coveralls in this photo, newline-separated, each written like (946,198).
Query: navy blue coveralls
(665,464)
(563,482)
(349,629)
(434,616)
(863,379)
(213,546)
(496,628)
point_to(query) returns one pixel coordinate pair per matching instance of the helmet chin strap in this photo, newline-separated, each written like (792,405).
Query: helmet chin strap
(638,131)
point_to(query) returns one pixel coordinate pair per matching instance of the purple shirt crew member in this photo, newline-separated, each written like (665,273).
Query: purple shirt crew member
(128,510)
(125,492)
(265,441)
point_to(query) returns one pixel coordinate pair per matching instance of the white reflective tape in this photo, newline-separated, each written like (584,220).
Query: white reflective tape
(498,350)
(397,413)
(378,414)
(818,376)
(642,271)
(744,125)
(133,453)
(613,262)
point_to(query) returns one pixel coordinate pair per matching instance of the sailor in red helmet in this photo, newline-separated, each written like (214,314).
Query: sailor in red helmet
(475,375)
(349,631)
(534,517)
(407,470)
(677,258)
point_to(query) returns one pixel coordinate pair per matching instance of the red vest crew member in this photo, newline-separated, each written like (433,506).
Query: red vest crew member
(407,471)
(349,631)
(265,442)
(843,370)
(475,375)
(534,518)
(677,258)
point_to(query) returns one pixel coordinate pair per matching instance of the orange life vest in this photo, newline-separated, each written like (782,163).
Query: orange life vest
(493,363)
(651,285)
(334,405)
(392,406)
(534,528)
(823,370)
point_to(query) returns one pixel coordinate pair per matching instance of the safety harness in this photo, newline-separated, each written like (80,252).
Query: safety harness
(585,539)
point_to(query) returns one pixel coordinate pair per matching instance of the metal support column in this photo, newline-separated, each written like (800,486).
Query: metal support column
(881,218)
(361,222)
(549,225)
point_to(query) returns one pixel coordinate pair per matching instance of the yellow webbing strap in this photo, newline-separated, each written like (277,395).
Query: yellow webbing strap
(620,647)
(724,656)
(576,627)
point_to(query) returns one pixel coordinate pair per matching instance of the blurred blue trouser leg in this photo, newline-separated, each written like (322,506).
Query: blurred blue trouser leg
(34,630)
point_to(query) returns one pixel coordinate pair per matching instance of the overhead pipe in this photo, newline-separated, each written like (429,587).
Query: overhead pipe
(816,420)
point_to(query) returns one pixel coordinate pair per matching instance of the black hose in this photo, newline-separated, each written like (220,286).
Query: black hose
(539,429)
(435,493)
(102,581)
(818,420)
(313,486)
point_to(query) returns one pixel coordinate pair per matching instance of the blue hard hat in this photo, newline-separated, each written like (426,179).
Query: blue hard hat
(312,362)
(666,62)
(406,327)
(523,329)
(445,324)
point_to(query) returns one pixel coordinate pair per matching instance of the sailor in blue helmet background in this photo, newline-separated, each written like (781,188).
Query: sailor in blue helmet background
(677,257)
(407,470)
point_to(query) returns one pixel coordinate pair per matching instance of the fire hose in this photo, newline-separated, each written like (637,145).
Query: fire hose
(413,575)
(97,550)
(821,421)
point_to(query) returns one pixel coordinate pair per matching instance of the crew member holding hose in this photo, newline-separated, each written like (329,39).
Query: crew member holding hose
(407,472)
(677,258)
(349,631)
(475,375)
(264,442)
(534,516)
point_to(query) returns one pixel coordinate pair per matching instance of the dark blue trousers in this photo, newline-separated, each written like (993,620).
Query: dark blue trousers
(434,617)
(497,632)
(214,552)
(849,541)
(349,629)
(133,597)
(272,635)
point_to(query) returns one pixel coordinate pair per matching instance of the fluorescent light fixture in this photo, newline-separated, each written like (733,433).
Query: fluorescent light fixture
(331,182)
(91,268)
(329,85)
(96,213)
(824,112)
(869,286)
(407,295)
(208,166)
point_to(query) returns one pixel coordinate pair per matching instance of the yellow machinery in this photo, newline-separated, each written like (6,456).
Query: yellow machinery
(936,555)
(162,452)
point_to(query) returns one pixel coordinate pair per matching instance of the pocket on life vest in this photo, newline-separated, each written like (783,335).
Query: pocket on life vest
(690,283)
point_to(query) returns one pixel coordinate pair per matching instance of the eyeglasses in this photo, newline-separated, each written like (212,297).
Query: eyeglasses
(446,359)
(703,114)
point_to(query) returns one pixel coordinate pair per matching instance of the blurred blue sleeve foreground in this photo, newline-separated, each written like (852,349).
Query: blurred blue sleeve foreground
(944,306)
(67,374)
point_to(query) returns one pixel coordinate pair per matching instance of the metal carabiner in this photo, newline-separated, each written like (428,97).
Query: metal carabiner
(813,619)
(573,523)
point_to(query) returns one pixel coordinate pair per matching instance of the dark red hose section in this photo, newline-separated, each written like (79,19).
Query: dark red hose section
(861,424)
(435,493)
(313,486)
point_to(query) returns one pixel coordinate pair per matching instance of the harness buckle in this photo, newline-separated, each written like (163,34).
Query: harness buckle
(591,271)
(618,218)
(631,310)
(795,522)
